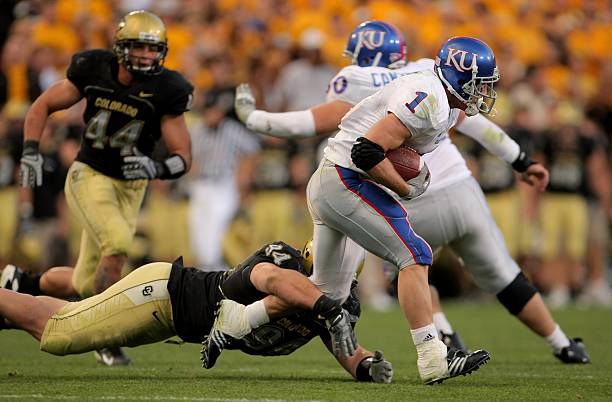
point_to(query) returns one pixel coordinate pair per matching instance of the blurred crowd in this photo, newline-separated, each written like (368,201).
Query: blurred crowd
(555,99)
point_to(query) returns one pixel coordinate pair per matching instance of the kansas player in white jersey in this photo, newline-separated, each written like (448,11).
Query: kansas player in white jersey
(453,195)
(494,271)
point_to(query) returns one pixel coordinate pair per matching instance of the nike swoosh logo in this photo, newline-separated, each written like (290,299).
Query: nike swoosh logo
(156,317)
(145,94)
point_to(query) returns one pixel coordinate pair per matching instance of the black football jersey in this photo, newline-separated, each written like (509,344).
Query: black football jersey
(284,335)
(118,118)
(194,295)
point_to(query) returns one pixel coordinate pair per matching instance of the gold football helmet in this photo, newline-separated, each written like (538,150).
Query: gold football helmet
(307,254)
(137,29)
(308,258)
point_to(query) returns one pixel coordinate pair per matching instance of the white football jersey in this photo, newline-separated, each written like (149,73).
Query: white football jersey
(353,84)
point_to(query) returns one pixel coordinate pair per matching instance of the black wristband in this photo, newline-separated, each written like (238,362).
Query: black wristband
(172,167)
(30,147)
(523,162)
(326,307)
(362,373)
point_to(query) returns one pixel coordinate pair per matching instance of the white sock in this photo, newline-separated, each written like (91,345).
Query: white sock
(442,323)
(424,334)
(256,314)
(557,340)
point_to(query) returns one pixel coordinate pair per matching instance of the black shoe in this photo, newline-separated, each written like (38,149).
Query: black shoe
(213,343)
(11,276)
(3,324)
(212,347)
(454,342)
(112,357)
(460,363)
(574,353)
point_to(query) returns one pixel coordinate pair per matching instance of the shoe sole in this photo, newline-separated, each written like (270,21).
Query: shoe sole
(480,363)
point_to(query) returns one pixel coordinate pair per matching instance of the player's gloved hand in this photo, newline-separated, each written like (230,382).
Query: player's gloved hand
(31,168)
(343,337)
(244,104)
(140,167)
(381,369)
(419,184)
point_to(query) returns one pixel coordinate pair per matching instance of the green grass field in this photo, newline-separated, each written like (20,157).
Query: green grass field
(522,367)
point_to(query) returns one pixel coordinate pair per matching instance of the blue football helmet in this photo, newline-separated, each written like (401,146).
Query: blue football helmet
(468,69)
(376,43)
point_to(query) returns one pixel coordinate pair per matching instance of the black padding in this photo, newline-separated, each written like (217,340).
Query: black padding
(366,154)
(517,294)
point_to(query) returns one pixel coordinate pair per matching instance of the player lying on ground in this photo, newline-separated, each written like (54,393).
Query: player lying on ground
(160,300)
(233,318)
(453,210)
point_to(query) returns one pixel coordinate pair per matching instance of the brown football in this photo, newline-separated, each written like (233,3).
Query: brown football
(406,161)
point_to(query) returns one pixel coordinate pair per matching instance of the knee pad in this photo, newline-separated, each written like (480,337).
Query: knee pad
(516,295)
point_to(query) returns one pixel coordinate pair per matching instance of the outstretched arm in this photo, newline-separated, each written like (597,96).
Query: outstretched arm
(496,141)
(365,365)
(321,119)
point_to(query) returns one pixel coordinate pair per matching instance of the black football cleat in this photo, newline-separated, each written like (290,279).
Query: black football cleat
(112,357)
(454,342)
(575,353)
(230,323)
(11,277)
(460,363)
(212,347)
(3,324)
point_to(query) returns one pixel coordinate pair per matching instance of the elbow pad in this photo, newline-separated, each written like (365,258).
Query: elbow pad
(366,154)
(282,125)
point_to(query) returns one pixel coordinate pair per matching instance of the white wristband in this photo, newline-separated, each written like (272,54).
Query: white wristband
(283,125)
(490,136)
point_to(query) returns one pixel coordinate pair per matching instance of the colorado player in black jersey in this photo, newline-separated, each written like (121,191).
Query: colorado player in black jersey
(131,102)
(160,300)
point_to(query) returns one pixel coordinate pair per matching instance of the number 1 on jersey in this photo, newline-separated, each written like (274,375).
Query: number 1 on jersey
(415,102)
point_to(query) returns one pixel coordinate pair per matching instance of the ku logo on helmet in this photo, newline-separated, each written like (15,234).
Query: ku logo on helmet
(456,57)
(372,39)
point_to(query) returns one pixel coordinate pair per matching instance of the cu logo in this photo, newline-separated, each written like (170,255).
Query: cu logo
(147,290)
(372,39)
(457,57)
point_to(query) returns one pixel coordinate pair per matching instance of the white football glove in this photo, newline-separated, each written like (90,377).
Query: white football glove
(139,167)
(419,184)
(343,337)
(31,169)
(381,370)
(244,104)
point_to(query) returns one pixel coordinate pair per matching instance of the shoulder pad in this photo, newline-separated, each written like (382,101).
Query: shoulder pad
(349,85)
(284,256)
(89,58)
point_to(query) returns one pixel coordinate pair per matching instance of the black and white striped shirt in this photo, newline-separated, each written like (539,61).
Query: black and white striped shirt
(217,151)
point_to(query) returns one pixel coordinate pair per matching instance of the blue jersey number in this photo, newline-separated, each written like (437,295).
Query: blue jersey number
(412,105)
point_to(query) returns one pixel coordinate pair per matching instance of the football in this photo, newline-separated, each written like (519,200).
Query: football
(406,161)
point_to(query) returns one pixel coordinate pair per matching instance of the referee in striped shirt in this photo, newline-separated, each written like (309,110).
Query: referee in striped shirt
(220,146)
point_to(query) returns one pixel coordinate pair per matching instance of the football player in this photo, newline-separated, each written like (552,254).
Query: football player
(160,300)
(453,210)
(131,102)
(356,193)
